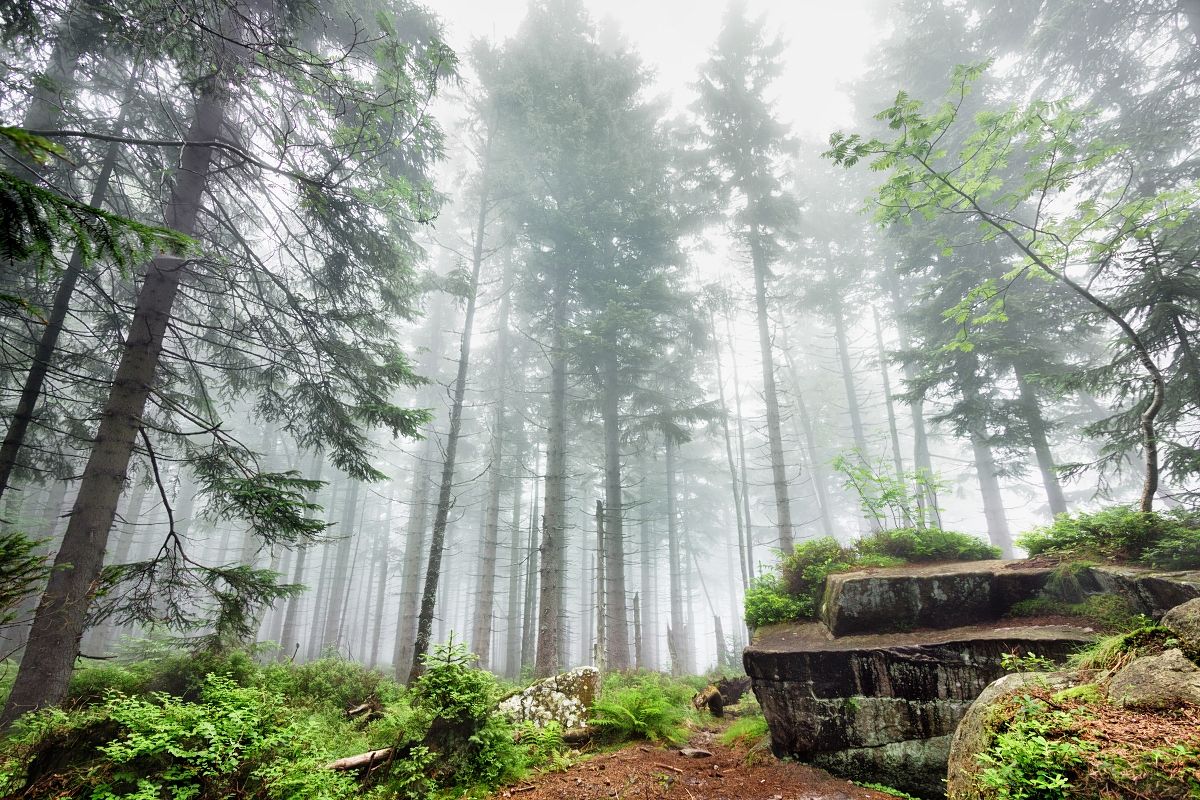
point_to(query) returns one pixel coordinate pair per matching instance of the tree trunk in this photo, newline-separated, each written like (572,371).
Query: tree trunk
(348,536)
(512,650)
(639,660)
(985,464)
(35,379)
(58,625)
(529,611)
(779,479)
(481,633)
(649,632)
(678,625)
(381,576)
(819,478)
(598,655)
(843,348)
(893,429)
(616,628)
(442,514)
(741,436)
(733,477)
(1031,410)
(554,517)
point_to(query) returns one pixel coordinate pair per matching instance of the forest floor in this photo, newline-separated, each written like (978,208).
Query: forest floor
(654,772)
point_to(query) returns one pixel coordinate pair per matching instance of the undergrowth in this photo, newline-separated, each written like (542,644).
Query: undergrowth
(645,705)
(203,726)
(1166,540)
(794,592)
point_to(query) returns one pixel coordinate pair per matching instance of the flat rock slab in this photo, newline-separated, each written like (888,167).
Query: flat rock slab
(934,596)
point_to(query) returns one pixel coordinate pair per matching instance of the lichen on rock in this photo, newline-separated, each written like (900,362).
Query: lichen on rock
(565,699)
(1156,682)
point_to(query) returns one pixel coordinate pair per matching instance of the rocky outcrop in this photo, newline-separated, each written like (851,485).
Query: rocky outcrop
(566,699)
(875,690)
(1184,622)
(1156,682)
(974,733)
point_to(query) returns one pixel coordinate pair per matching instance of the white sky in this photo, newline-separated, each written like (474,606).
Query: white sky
(829,43)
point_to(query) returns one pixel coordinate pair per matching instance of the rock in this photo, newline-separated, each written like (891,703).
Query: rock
(566,699)
(881,708)
(1184,622)
(935,596)
(1150,593)
(694,752)
(974,733)
(1156,682)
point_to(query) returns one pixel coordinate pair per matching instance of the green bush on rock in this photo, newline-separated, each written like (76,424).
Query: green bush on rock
(1169,540)
(795,592)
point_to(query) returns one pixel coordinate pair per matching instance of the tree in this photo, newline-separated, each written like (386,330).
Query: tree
(1051,144)
(334,198)
(743,144)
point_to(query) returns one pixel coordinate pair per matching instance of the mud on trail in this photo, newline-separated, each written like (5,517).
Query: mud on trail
(647,772)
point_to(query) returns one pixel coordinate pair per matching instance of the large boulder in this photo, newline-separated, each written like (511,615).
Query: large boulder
(881,708)
(1157,682)
(974,733)
(1184,621)
(566,699)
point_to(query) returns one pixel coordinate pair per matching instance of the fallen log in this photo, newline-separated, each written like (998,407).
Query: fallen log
(368,759)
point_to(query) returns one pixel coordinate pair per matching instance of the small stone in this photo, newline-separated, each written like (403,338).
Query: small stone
(1157,682)
(694,752)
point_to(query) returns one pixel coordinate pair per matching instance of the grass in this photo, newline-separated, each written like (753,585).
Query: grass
(1113,651)
(745,732)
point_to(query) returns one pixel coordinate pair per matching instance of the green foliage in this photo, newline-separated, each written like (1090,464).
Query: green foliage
(745,732)
(1112,651)
(645,705)
(796,592)
(1031,758)
(331,683)
(887,498)
(1029,662)
(22,571)
(1106,611)
(927,544)
(1165,540)
(768,602)
(889,791)
(452,688)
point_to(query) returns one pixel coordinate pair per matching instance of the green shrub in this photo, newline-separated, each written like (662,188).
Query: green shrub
(639,713)
(330,683)
(768,602)
(1028,757)
(926,544)
(1106,611)
(1167,540)
(1114,650)
(92,684)
(745,732)
(888,790)
(795,593)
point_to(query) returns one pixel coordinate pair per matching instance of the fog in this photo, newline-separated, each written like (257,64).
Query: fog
(573,232)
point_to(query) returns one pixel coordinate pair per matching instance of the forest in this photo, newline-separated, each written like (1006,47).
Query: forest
(354,345)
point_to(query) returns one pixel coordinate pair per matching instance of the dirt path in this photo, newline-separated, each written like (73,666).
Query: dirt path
(645,772)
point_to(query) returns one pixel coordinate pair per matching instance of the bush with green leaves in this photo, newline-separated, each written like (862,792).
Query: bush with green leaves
(332,683)
(1167,540)
(795,592)
(639,713)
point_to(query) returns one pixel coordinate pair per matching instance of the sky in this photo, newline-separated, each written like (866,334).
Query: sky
(829,44)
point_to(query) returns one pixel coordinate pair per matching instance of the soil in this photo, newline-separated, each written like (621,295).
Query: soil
(648,772)
(789,637)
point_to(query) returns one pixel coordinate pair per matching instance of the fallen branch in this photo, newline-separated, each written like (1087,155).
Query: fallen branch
(668,766)
(359,761)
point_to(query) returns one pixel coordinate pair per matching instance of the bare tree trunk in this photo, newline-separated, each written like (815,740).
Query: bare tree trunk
(58,625)
(381,575)
(678,625)
(733,478)
(649,632)
(555,517)
(512,651)
(616,641)
(985,464)
(1032,411)
(893,429)
(348,535)
(414,548)
(779,479)
(741,437)
(601,585)
(289,637)
(843,348)
(442,514)
(819,477)
(638,659)
(529,611)
(921,458)
(481,633)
